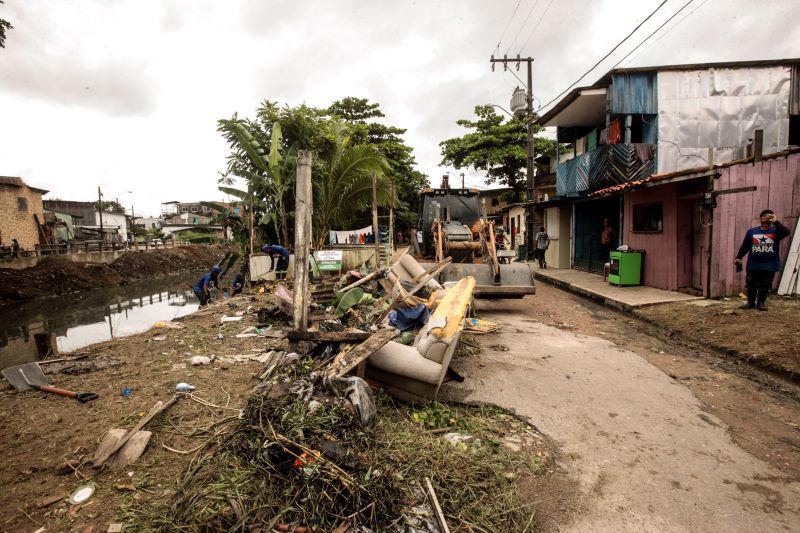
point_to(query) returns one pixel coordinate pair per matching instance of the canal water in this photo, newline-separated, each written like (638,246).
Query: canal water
(45,328)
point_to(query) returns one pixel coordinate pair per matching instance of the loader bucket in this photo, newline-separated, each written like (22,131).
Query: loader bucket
(516,279)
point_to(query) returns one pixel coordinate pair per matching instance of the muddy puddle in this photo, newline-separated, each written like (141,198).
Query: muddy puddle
(46,328)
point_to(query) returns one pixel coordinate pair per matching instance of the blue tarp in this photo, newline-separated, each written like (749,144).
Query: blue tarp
(408,318)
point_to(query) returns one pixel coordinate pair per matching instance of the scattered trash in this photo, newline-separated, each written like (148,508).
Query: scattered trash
(199,360)
(456,438)
(82,495)
(114,528)
(126,392)
(475,325)
(226,318)
(159,338)
(167,325)
(184,387)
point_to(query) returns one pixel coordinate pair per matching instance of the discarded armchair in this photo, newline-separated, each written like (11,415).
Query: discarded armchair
(416,372)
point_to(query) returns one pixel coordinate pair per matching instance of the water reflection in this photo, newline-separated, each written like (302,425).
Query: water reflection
(36,330)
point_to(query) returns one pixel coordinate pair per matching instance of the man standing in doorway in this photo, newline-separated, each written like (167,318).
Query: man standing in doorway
(282,254)
(542,240)
(762,246)
(608,238)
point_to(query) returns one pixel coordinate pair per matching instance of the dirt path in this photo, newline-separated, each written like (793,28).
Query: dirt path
(650,452)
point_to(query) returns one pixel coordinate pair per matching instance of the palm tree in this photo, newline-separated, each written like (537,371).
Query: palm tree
(343,182)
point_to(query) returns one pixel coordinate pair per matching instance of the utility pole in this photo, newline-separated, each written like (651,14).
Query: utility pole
(391,217)
(100,214)
(462,180)
(302,242)
(375,220)
(529,196)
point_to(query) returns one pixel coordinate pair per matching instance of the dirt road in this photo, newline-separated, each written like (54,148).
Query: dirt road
(696,445)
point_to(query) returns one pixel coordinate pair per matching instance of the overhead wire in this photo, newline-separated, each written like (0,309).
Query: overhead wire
(522,26)
(537,25)
(678,23)
(497,48)
(562,93)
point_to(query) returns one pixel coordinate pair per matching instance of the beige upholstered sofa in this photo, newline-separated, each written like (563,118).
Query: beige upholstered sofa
(416,372)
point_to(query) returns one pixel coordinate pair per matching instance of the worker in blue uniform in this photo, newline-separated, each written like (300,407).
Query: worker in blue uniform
(276,251)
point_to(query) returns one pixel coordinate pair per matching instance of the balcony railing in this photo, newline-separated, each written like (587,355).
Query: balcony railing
(606,165)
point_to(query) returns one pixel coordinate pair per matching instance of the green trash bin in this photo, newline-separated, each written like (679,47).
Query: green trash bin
(626,267)
(522,249)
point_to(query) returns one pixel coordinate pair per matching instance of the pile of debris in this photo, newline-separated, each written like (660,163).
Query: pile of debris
(319,449)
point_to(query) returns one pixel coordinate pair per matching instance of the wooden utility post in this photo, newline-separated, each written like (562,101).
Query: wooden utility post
(100,214)
(391,217)
(250,233)
(302,242)
(375,219)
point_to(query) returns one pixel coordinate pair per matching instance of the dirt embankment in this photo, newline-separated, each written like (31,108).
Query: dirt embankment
(770,340)
(56,276)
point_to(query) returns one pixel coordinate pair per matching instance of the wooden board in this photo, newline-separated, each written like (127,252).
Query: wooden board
(789,277)
(130,452)
(341,366)
(328,336)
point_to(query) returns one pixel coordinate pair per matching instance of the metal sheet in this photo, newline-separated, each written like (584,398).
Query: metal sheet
(634,93)
(720,108)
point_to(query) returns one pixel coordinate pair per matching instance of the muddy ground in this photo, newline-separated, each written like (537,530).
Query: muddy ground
(56,276)
(769,339)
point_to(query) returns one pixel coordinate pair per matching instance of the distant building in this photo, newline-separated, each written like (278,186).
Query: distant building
(20,206)
(192,217)
(149,223)
(87,221)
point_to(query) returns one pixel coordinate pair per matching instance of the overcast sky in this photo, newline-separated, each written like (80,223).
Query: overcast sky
(125,94)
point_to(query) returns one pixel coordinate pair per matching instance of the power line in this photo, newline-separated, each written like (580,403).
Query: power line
(497,49)
(608,54)
(669,30)
(536,3)
(537,26)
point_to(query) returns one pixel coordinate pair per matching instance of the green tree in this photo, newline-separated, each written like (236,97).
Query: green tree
(4,27)
(497,146)
(343,182)
(111,206)
(359,114)
(269,176)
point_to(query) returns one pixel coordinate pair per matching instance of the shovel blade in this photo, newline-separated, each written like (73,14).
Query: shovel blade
(19,376)
(130,452)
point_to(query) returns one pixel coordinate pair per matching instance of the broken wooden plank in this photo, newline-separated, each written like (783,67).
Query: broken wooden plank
(365,279)
(342,366)
(157,409)
(437,509)
(328,336)
(403,294)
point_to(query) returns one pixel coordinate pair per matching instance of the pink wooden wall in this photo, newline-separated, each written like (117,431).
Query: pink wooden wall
(661,249)
(777,183)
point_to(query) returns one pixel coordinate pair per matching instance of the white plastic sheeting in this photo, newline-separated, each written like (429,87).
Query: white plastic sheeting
(720,108)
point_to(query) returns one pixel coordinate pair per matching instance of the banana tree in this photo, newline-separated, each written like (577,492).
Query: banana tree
(269,175)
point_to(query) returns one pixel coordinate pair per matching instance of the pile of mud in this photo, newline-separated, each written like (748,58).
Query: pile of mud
(56,276)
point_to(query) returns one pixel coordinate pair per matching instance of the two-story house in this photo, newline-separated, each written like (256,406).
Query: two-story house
(647,149)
